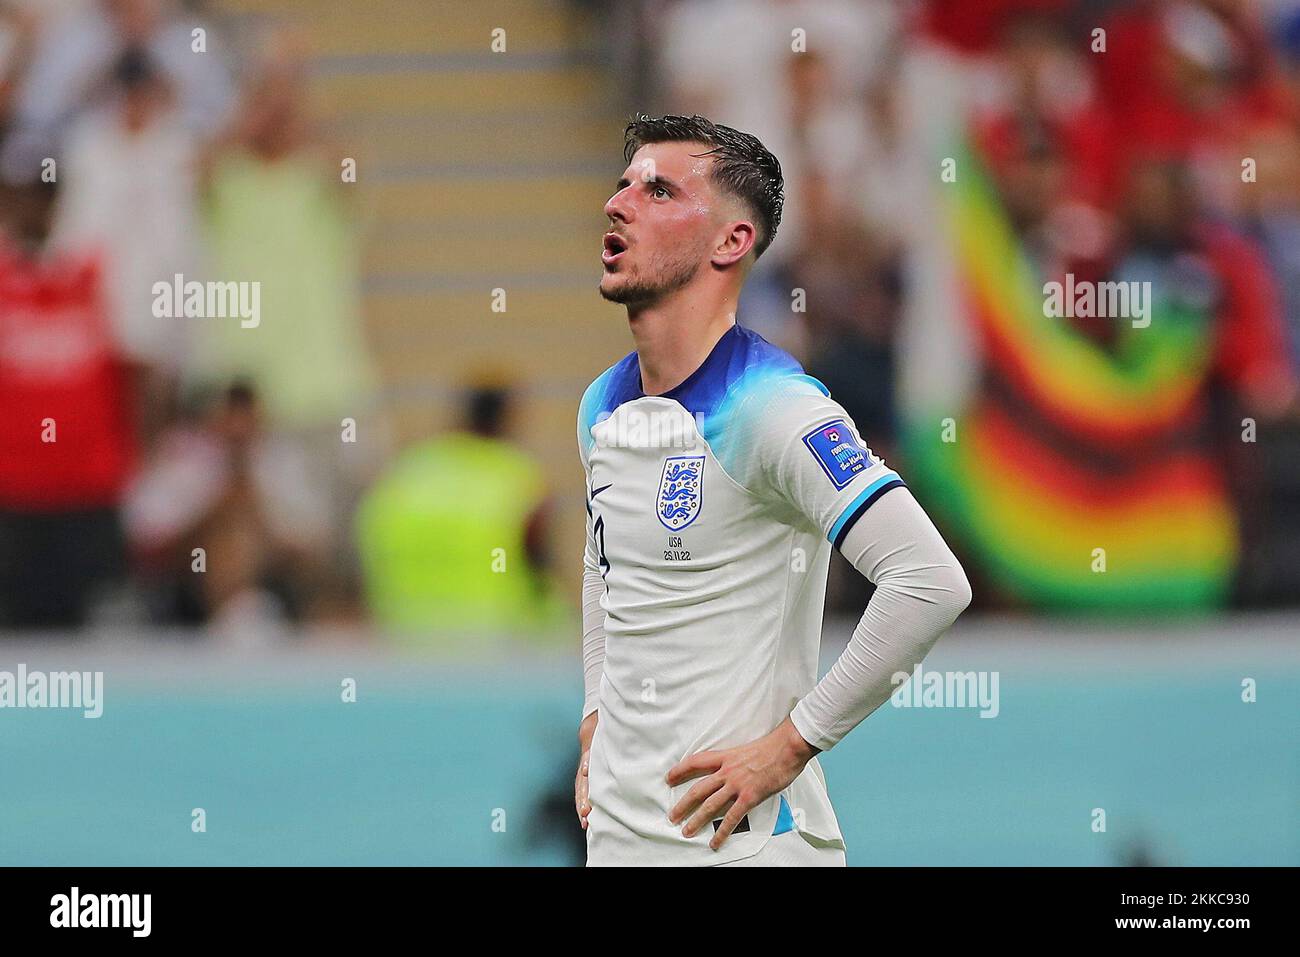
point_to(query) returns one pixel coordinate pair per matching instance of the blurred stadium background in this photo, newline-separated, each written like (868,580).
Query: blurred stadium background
(381,475)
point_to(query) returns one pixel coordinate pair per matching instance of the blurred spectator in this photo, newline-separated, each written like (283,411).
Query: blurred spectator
(18,28)
(275,212)
(276,216)
(851,278)
(1269,211)
(1047,101)
(1190,79)
(794,73)
(130,192)
(1207,266)
(1287,34)
(453,536)
(76,53)
(68,442)
(726,58)
(250,500)
(1252,373)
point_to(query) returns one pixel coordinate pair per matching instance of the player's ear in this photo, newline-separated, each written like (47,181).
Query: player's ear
(734,244)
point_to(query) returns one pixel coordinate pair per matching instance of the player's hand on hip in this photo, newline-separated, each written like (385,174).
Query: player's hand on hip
(586,731)
(737,780)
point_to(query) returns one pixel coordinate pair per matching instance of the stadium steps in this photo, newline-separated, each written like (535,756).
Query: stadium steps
(475,171)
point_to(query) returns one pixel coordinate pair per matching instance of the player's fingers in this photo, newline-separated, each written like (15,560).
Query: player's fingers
(702,762)
(738,811)
(581,783)
(712,809)
(693,798)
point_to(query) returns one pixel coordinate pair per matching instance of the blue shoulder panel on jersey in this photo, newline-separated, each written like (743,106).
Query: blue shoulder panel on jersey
(740,363)
(817,383)
(619,383)
(740,360)
(739,368)
(757,373)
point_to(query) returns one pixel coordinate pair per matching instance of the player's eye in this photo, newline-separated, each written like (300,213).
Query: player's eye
(660,190)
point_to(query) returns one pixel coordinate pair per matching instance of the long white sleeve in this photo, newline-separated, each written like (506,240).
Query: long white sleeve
(920,591)
(593,640)
(593,625)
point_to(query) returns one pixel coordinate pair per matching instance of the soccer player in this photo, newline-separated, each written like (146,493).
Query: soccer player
(719,477)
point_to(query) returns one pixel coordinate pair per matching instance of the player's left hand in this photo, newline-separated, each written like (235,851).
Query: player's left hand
(739,779)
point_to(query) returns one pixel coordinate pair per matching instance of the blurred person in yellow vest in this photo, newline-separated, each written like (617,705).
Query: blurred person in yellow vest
(452,537)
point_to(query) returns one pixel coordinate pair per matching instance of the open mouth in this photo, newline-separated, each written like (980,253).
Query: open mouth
(615,246)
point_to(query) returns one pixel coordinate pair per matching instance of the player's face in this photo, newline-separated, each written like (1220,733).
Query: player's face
(663,220)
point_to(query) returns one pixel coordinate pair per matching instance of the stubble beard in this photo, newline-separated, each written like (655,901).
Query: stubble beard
(666,278)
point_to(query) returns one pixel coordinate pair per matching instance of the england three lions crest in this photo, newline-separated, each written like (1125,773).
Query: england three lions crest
(681,491)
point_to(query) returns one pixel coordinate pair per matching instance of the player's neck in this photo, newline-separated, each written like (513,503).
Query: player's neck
(674,338)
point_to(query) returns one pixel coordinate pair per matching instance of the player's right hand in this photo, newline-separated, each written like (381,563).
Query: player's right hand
(586,731)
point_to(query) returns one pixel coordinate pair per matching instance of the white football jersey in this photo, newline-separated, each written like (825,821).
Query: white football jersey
(712,511)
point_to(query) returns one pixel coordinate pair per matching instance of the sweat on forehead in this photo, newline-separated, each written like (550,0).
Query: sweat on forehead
(673,161)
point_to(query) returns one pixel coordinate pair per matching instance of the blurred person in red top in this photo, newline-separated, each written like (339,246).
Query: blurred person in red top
(129,190)
(1048,93)
(1189,79)
(67,439)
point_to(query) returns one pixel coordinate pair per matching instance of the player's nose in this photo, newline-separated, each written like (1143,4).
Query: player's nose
(618,208)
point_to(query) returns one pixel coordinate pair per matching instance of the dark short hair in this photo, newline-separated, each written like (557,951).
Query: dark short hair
(741,164)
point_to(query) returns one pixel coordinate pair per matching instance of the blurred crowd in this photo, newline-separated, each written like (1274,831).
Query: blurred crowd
(170,460)
(194,433)
(147,440)
(1119,137)
(160,465)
